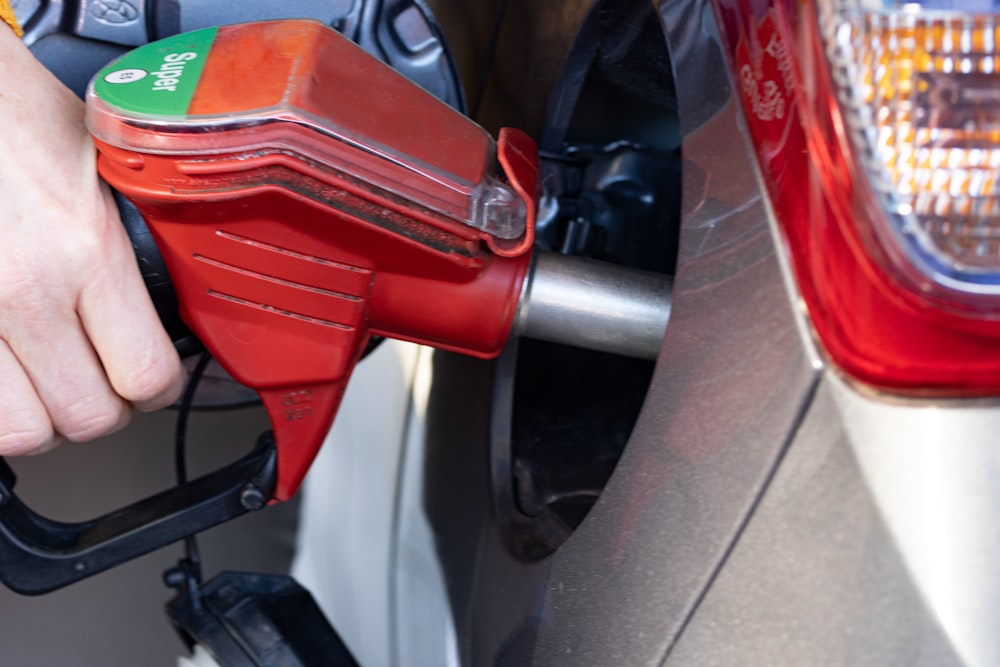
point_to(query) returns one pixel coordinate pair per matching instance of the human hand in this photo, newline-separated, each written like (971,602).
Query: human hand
(80,341)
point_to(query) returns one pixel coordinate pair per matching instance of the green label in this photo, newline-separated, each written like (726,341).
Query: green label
(159,78)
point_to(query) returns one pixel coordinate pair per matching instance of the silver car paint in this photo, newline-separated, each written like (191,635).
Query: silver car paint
(764,512)
(732,382)
(730,387)
(818,577)
(934,473)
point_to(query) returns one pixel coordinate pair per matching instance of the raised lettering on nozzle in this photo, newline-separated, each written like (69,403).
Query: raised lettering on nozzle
(170,71)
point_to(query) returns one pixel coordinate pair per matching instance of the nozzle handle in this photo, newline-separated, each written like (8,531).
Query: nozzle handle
(38,555)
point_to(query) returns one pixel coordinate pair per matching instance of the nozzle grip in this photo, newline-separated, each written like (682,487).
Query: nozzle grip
(157,278)
(38,555)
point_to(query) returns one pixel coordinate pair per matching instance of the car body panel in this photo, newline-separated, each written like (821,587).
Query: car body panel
(933,470)
(817,576)
(731,384)
(764,510)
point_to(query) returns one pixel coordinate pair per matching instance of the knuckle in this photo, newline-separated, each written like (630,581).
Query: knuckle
(24,289)
(83,251)
(30,301)
(94,242)
(152,385)
(86,421)
(28,437)
(105,242)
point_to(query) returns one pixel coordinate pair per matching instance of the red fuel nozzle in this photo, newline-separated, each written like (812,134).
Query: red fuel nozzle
(306,197)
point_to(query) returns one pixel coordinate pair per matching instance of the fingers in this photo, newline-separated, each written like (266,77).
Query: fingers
(25,427)
(138,357)
(78,346)
(65,374)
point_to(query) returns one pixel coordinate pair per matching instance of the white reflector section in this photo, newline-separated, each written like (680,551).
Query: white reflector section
(919,89)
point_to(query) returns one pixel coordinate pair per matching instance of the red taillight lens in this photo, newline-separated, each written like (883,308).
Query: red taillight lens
(883,175)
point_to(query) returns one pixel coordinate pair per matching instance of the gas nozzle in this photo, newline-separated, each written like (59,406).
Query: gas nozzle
(305,198)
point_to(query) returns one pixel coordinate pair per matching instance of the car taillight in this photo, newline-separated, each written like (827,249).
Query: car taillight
(877,130)
(919,89)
